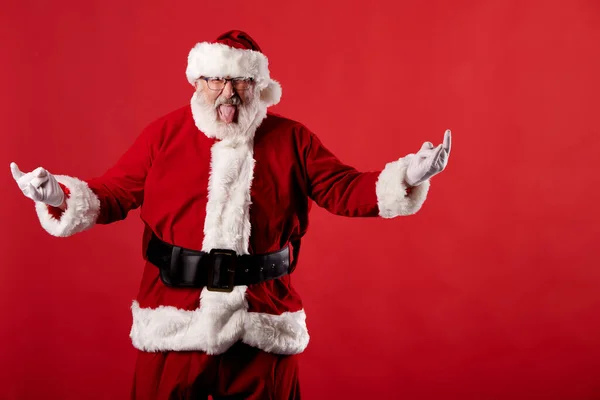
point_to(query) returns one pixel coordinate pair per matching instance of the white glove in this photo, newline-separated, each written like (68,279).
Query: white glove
(429,161)
(39,185)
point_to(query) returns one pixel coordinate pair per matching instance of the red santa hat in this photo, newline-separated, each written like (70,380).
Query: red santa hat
(234,54)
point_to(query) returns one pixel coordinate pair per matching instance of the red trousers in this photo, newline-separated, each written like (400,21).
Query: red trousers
(243,372)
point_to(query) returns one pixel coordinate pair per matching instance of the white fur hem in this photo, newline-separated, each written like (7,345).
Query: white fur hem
(83,207)
(168,328)
(391,190)
(219,60)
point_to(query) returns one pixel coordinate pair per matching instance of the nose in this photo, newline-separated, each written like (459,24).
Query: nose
(228,90)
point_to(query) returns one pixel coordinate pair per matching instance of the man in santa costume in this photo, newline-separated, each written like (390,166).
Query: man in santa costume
(225,188)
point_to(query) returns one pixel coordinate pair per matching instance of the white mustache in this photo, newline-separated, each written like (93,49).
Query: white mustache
(235,100)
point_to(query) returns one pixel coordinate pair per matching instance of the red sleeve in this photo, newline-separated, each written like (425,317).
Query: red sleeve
(121,188)
(335,186)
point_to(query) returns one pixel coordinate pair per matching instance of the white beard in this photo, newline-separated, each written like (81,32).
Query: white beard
(250,116)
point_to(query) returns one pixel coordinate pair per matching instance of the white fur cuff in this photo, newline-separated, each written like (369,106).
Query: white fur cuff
(83,207)
(391,190)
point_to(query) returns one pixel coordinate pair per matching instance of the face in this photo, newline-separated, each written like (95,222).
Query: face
(227,100)
(227,113)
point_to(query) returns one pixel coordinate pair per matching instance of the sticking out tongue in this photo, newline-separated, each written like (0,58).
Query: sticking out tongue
(227,113)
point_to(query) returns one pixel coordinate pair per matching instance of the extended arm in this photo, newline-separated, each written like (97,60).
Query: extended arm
(399,189)
(67,205)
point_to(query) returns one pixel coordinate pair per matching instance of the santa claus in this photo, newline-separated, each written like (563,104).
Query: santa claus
(225,188)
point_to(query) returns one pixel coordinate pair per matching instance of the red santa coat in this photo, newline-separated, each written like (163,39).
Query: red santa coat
(202,193)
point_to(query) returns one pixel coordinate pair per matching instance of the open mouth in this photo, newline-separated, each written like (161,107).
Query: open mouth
(227,113)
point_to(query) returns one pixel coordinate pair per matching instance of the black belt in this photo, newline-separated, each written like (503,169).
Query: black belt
(220,270)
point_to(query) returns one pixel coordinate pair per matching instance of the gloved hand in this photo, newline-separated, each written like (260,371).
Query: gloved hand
(428,161)
(39,185)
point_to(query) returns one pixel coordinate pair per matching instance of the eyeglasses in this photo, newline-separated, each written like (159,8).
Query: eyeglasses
(219,83)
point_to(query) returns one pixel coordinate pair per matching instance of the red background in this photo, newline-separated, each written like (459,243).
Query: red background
(490,292)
